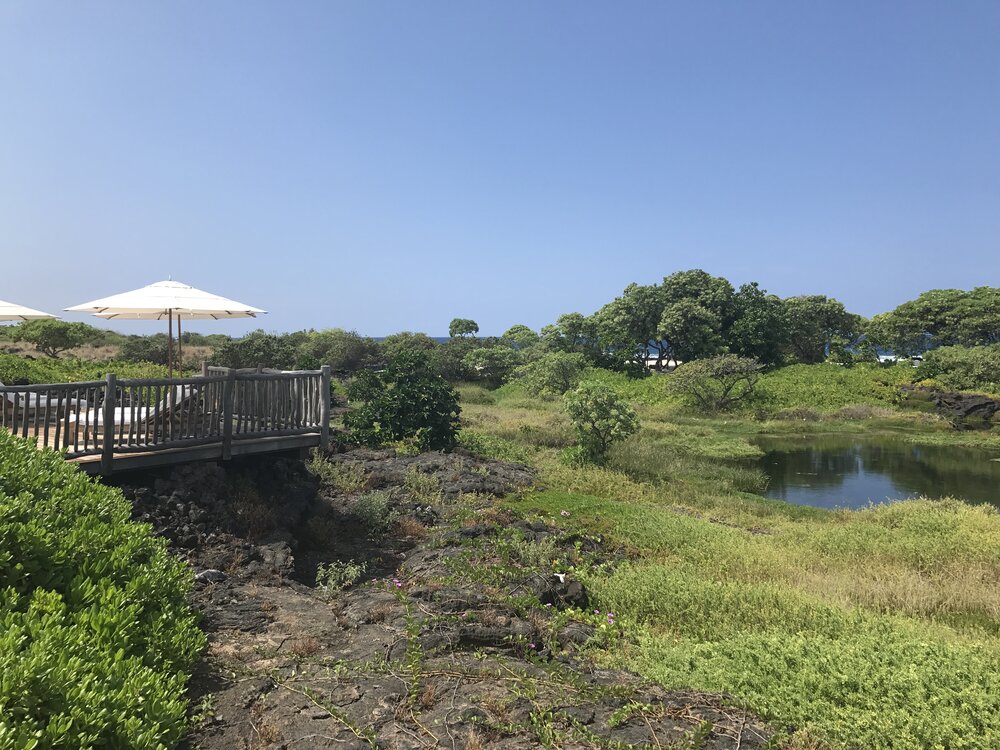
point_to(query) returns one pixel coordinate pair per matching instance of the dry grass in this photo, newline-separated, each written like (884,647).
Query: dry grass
(304,647)
(428,696)
(409,527)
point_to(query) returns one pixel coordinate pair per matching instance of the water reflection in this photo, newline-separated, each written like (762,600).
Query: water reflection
(837,471)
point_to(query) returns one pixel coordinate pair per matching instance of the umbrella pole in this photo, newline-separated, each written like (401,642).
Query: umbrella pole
(180,346)
(170,343)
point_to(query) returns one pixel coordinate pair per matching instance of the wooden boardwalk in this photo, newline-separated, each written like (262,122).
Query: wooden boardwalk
(116,425)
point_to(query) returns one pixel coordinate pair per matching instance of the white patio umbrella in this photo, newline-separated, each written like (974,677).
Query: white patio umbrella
(10,311)
(171,300)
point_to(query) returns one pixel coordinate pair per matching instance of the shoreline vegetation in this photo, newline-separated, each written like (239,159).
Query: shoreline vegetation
(875,628)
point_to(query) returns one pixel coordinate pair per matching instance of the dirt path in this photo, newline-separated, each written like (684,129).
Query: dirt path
(456,635)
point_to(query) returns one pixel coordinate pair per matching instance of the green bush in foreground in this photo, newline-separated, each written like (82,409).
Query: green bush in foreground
(96,635)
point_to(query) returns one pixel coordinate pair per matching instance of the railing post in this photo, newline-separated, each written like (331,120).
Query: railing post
(324,428)
(204,368)
(228,396)
(110,402)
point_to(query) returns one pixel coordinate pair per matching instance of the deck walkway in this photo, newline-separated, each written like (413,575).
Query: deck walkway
(116,425)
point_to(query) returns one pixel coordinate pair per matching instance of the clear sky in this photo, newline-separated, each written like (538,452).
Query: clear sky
(391,165)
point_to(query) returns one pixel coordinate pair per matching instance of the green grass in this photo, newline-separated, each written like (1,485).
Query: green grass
(868,629)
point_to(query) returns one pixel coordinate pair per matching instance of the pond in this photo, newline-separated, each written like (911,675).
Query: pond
(848,471)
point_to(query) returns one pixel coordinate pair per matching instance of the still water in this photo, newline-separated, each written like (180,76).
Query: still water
(838,471)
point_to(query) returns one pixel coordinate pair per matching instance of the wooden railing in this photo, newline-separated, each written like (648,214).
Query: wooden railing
(111,416)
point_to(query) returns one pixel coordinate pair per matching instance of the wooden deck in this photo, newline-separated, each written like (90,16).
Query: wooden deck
(119,425)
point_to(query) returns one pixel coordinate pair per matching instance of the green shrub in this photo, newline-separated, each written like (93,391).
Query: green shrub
(407,400)
(964,368)
(42,371)
(96,634)
(493,367)
(374,511)
(337,575)
(145,349)
(717,383)
(828,387)
(600,418)
(260,349)
(552,374)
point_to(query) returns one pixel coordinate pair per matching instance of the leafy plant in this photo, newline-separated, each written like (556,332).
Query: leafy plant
(407,400)
(552,374)
(492,366)
(337,575)
(463,327)
(97,638)
(53,337)
(600,418)
(717,383)
(965,368)
(374,511)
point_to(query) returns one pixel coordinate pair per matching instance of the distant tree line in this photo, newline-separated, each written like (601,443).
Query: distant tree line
(688,316)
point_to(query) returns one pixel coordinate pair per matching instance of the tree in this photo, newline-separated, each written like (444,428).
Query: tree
(600,418)
(573,332)
(145,349)
(716,383)
(52,337)
(964,368)
(492,366)
(629,325)
(345,351)
(685,316)
(448,359)
(758,328)
(520,337)
(463,327)
(405,341)
(940,317)
(693,331)
(816,323)
(259,349)
(552,374)
(407,401)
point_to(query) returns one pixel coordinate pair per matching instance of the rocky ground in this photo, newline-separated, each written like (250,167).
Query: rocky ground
(375,600)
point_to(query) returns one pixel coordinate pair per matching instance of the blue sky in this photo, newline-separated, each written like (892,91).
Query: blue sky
(391,165)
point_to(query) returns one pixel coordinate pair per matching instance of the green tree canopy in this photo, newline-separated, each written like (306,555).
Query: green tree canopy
(259,349)
(815,324)
(520,337)
(463,327)
(345,351)
(553,373)
(692,330)
(493,367)
(758,328)
(940,317)
(52,337)
(405,341)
